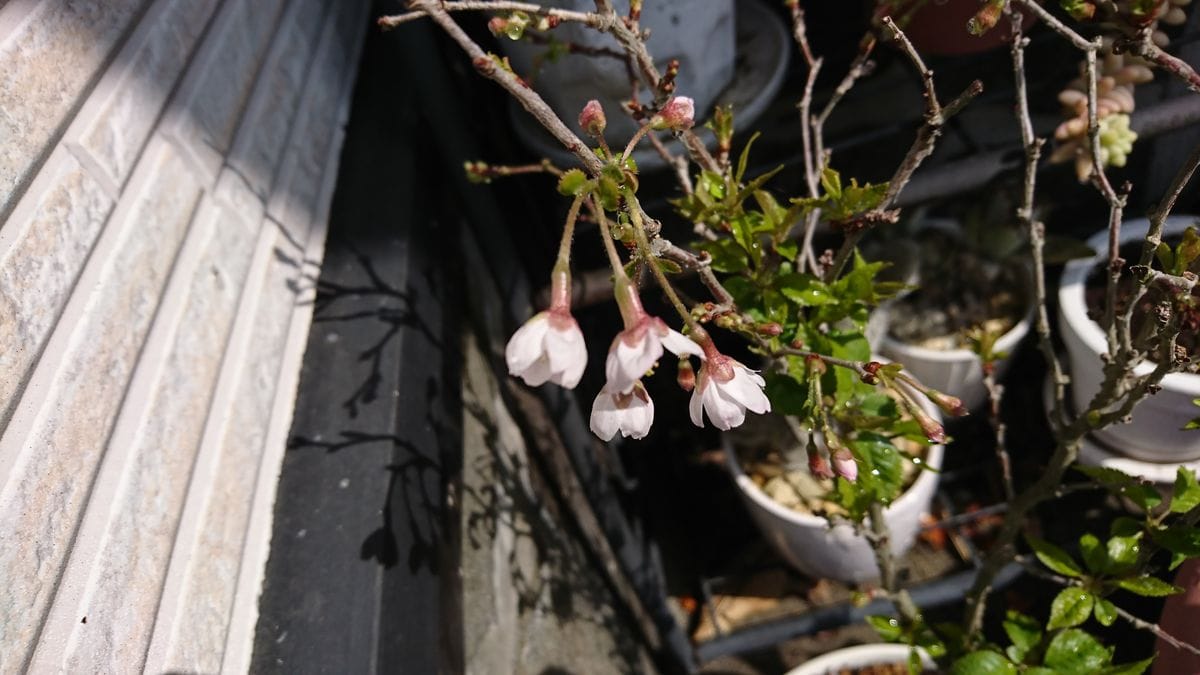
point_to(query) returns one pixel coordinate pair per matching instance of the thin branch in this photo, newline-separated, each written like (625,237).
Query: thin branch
(419,10)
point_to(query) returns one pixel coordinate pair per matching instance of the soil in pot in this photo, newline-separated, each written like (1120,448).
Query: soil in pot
(783,475)
(898,668)
(1096,287)
(961,294)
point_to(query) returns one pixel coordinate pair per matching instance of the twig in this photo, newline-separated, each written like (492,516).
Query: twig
(888,569)
(999,430)
(420,9)
(936,116)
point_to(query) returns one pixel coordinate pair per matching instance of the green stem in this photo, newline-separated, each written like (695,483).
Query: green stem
(641,133)
(643,241)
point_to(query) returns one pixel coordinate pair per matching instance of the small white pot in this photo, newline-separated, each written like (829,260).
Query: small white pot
(808,542)
(858,657)
(957,372)
(1156,432)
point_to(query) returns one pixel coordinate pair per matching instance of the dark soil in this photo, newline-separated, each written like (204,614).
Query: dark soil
(1094,294)
(959,293)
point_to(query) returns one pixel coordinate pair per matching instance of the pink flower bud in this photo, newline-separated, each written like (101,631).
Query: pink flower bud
(687,375)
(818,466)
(844,465)
(933,431)
(951,405)
(678,114)
(591,118)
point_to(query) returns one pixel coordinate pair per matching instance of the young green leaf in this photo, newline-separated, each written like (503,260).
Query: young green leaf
(1134,668)
(983,663)
(1071,607)
(1074,652)
(1024,632)
(1054,557)
(888,627)
(1123,553)
(1148,586)
(1105,612)
(1095,556)
(1186,495)
(572,183)
(1139,492)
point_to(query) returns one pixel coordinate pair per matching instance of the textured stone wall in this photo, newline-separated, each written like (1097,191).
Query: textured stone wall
(166,170)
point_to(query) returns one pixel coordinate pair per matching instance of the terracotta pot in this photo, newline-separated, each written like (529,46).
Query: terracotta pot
(939,28)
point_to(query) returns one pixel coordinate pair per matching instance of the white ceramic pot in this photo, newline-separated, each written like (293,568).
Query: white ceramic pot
(700,33)
(1156,432)
(858,657)
(809,544)
(957,372)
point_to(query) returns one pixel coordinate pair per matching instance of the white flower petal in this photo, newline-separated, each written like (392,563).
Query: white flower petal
(538,372)
(525,345)
(748,392)
(722,412)
(570,376)
(695,406)
(680,344)
(639,416)
(606,418)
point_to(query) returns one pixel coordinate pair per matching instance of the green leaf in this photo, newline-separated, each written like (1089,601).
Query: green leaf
(609,192)
(1123,553)
(787,396)
(888,627)
(983,663)
(1024,632)
(1054,557)
(1074,652)
(1180,540)
(831,181)
(727,256)
(572,183)
(1105,612)
(1148,586)
(1187,251)
(805,290)
(744,158)
(668,266)
(1071,607)
(1135,668)
(1095,556)
(1186,495)
(1139,492)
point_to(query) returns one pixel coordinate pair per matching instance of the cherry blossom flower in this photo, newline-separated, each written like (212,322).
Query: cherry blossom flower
(630,413)
(725,389)
(549,347)
(635,350)
(678,114)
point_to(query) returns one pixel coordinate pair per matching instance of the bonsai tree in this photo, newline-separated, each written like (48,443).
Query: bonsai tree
(802,312)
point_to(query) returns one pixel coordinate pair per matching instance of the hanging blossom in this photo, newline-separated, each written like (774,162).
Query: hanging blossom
(725,389)
(636,349)
(550,346)
(631,413)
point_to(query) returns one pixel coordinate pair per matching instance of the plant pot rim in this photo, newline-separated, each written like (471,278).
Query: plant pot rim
(1072,303)
(933,459)
(1004,343)
(858,656)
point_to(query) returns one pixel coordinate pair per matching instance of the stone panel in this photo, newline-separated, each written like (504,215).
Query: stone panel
(128,574)
(262,137)
(43,246)
(46,65)
(219,83)
(294,197)
(60,446)
(114,125)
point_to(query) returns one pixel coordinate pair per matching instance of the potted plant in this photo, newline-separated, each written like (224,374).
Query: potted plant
(794,508)
(899,660)
(972,294)
(791,325)
(1156,429)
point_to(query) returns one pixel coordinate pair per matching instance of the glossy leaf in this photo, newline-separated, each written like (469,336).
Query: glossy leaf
(1186,495)
(1054,557)
(983,663)
(1105,612)
(1148,586)
(1071,607)
(1075,652)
